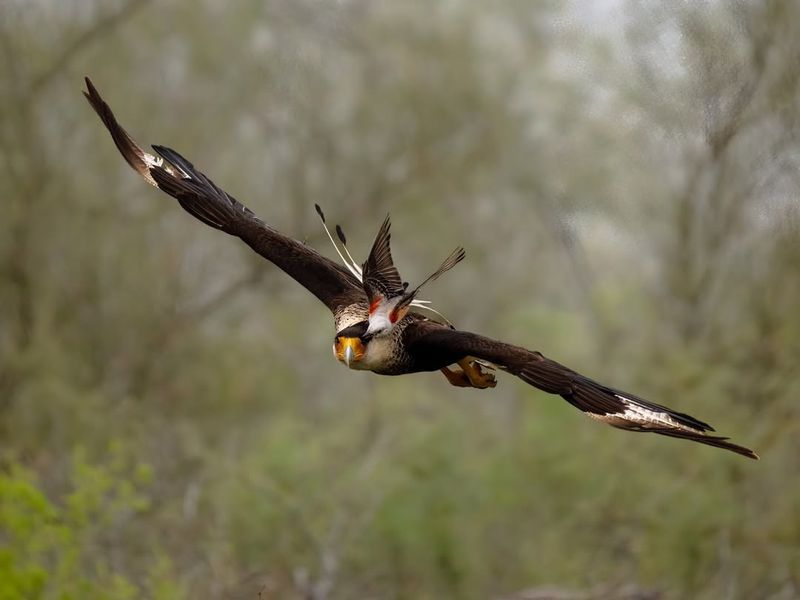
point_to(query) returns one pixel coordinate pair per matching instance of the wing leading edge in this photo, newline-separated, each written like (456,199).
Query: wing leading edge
(199,196)
(433,342)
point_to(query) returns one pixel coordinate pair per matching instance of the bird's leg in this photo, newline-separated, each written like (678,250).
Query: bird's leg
(477,378)
(456,378)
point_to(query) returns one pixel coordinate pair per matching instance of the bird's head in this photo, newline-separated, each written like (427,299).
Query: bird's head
(350,344)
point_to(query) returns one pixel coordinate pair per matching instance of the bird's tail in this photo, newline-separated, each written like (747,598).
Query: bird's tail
(456,256)
(451,261)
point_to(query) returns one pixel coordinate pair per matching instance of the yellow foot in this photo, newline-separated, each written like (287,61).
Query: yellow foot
(456,378)
(477,377)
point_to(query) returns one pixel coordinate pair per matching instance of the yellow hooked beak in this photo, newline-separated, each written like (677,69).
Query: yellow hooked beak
(348,355)
(349,350)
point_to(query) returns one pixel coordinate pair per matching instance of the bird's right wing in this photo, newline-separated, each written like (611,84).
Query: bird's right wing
(433,344)
(334,285)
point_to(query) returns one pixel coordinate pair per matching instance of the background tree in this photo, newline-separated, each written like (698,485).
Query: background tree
(625,183)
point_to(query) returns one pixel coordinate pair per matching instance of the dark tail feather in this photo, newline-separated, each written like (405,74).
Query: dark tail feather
(379,261)
(451,261)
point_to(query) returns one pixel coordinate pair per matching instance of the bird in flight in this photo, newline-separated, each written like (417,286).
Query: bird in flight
(375,328)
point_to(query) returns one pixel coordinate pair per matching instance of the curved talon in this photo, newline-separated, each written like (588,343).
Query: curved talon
(477,377)
(456,378)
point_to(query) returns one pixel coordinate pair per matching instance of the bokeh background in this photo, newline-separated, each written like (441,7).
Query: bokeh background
(624,177)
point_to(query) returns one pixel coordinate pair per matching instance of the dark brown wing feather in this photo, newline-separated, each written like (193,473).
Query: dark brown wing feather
(433,346)
(127,146)
(201,198)
(379,273)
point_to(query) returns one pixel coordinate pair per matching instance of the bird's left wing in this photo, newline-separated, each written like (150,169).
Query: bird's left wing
(434,345)
(167,170)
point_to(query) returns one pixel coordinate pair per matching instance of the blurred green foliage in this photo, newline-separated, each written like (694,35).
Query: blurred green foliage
(624,179)
(68,550)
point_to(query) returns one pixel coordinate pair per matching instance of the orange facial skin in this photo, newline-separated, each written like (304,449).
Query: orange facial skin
(348,350)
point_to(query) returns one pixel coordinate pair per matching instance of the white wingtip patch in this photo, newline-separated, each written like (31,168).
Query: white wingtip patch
(639,414)
(153,161)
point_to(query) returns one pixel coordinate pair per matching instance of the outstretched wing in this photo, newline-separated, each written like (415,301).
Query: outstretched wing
(433,346)
(380,277)
(201,198)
